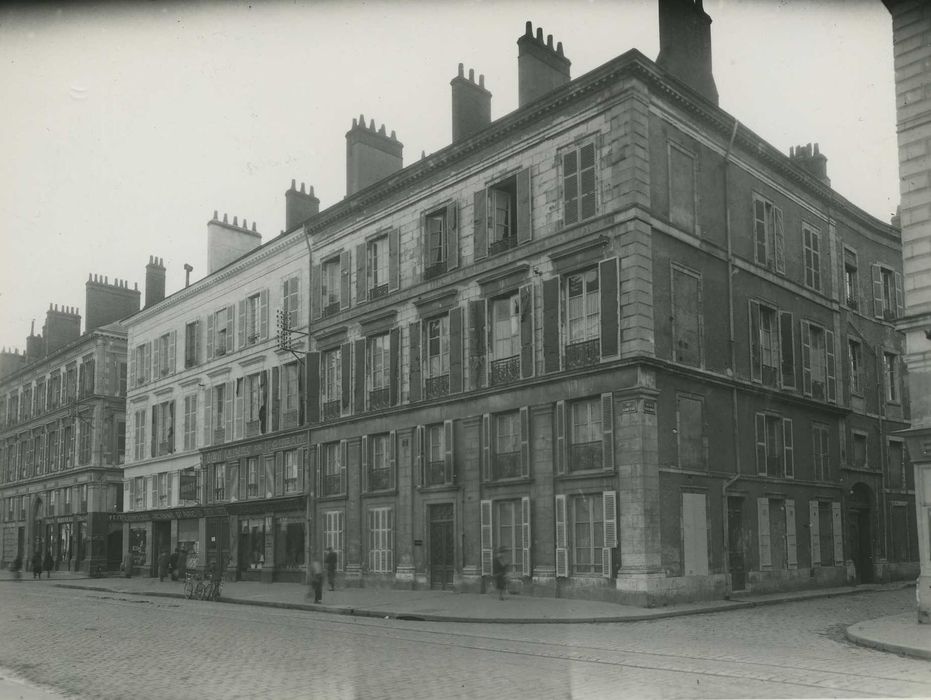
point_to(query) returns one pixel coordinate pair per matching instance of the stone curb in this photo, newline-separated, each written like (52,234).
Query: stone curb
(885,646)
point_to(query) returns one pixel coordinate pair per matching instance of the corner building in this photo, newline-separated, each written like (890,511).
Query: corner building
(617,334)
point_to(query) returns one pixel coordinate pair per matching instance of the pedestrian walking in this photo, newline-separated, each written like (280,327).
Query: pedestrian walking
(316,581)
(182,563)
(16,566)
(173,564)
(37,564)
(330,560)
(47,564)
(162,565)
(499,570)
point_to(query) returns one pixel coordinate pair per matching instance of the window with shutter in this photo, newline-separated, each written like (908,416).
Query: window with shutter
(763,534)
(694,534)
(814,531)
(791,544)
(811,247)
(579,178)
(486,538)
(562,540)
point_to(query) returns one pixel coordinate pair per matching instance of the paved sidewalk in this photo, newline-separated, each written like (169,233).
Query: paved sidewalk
(900,634)
(439,606)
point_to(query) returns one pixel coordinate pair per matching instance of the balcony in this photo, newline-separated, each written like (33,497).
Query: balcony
(507,465)
(333,484)
(504,244)
(379,479)
(435,270)
(585,456)
(331,309)
(436,387)
(253,428)
(583,354)
(378,399)
(378,292)
(332,409)
(505,371)
(435,473)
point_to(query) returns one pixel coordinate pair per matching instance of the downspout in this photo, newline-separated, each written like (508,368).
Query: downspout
(733,359)
(311,507)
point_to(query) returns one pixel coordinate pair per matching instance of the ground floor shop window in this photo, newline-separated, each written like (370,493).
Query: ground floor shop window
(137,545)
(289,543)
(251,544)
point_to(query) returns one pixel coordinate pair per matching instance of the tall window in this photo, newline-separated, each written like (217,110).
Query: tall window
(381,560)
(223,338)
(896,464)
(141,365)
(252,477)
(435,224)
(332,383)
(578,181)
(219,409)
(255,403)
(505,314)
(435,448)
(437,346)
(888,292)
(818,361)
(291,394)
(87,433)
(585,435)
(507,523)
(379,476)
(139,493)
(378,361)
(855,363)
(890,370)
(377,267)
(681,188)
(139,435)
(164,419)
(821,451)
(190,422)
(774,445)
(502,205)
(860,450)
(811,244)
(253,318)
(290,301)
(764,345)
(769,246)
(164,492)
(163,354)
(330,285)
(690,432)
(583,306)
(507,445)
(290,471)
(219,481)
(334,472)
(191,343)
(587,533)
(851,279)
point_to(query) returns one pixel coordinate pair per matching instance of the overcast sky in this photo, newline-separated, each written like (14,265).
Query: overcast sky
(124,126)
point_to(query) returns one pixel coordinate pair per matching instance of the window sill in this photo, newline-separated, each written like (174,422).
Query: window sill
(331,498)
(587,474)
(437,488)
(380,494)
(509,481)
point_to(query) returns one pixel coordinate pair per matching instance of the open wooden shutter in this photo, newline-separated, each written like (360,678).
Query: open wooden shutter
(806,358)
(418,455)
(344,276)
(525,536)
(358,376)
(791,542)
(607,430)
(610,307)
(551,325)
(562,462)
(263,314)
(276,399)
(365,462)
(229,329)
(198,341)
(756,351)
(838,533)
(524,199)
(208,416)
(487,545)
(609,505)
(153,442)
(316,292)
(343,465)
(524,441)
(876,271)
(261,477)
(132,374)
(128,493)
(361,279)
(172,349)
(394,260)
(562,551)
(762,515)
(779,245)
(448,462)
(788,448)
(301,480)
(393,457)
(240,416)
(486,446)
(760,443)
(477,343)
(480,226)
(394,365)
(831,366)
(241,343)
(210,486)
(313,387)
(787,350)
(243,478)
(899,296)
(279,473)
(345,389)
(228,411)
(455,350)
(452,236)
(814,529)
(415,388)
(526,331)
(211,336)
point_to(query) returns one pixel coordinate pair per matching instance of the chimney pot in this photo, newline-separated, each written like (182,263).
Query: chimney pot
(471,105)
(549,41)
(540,34)
(224,218)
(471,75)
(528,28)
(540,69)
(370,155)
(461,69)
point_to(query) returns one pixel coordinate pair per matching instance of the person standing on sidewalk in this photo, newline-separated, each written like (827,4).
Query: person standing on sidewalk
(173,564)
(37,565)
(16,566)
(162,565)
(316,581)
(330,560)
(48,564)
(499,569)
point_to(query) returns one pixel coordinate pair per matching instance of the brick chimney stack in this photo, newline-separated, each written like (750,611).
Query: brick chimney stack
(154,281)
(370,155)
(61,327)
(106,302)
(685,45)
(11,361)
(227,242)
(471,104)
(299,206)
(35,347)
(812,160)
(540,67)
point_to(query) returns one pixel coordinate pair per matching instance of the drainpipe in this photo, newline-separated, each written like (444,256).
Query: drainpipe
(311,508)
(733,356)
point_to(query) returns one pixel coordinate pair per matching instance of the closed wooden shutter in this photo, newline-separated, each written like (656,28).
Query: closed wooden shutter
(365,462)
(448,458)
(487,544)
(392,457)
(477,343)
(242,324)
(561,441)
(607,430)
(279,473)
(156,365)
(762,514)
(345,357)
(394,260)
(524,441)
(358,376)
(208,416)
(526,331)
(232,480)
(838,534)
(415,388)
(132,373)
(452,236)
(210,486)
(455,350)
(394,360)
(313,387)
(276,398)
(791,541)
(418,455)
(551,325)
(899,296)
(524,200)
(345,272)
(787,349)
(609,513)
(228,410)
(760,443)
(211,337)
(263,314)
(172,349)
(229,328)
(831,371)
(876,271)
(525,539)
(486,447)
(788,451)
(610,307)
(361,280)
(261,477)
(240,416)
(480,230)
(779,241)
(562,551)
(814,529)
(316,292)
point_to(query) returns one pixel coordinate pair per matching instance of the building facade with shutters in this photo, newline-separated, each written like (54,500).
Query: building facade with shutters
(63,433)
(616,334)
(215,458)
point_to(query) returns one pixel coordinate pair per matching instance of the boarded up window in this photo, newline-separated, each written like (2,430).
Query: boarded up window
(681,188)
(690,432)
(694,534)
(687,317)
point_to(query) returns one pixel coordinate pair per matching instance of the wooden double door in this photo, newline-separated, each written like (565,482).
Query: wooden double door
(442,546)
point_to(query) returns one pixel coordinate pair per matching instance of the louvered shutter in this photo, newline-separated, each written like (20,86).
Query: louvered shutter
(762,513)
(243,478)
(791,543)
(358,376)
(232,480)
(239,416)
(209,491)
(156,364)
(487,545)
(132,373)
(452,236)
(211,333)
(361,281)
(279,473)
(756,351)
(455,350)
(343,464)
(313,471)
(260,478)
(229,328)
(228,411)
(153,442)
(787,349)
(526,331)
(524,200)
(838,533)
(607,430)
(418,455)
(198,341)
(263,314)
(270,475)
(415,389)
(551,325)
(561,441)
(345,271)
(899,296)
(806,358)
(814,529)
(562,551)
(208,416)
(172,350)
(525,538)
(877,290)
(394,360)
(831,370)
(524,441)
(486,447)
(779,241)
(480,231)
(316,292)
(345,390)
(477,343)
(242,324)
(276,399)
(788,448)
(128,493)
(609,505)
(394,260)
(448,463)
(365,462)
(313,387)
(301,480)
(610,321)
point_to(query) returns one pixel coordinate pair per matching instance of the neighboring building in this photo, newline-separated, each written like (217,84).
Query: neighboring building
(216,443)
(911,25)
(614,332)
(63,433)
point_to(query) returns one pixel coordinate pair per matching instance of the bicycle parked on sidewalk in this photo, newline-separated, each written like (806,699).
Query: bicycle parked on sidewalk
(198,588)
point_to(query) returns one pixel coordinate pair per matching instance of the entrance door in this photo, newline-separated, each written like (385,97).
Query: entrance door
(161,542)
(442,546)
(735,544)
(218,543)
(861,544)
(20,543)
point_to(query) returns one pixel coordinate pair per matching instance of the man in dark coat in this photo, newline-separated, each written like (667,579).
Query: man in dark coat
(37,565)
(330,560)
(173,564)
(162,565)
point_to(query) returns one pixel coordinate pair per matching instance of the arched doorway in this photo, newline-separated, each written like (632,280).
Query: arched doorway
(859,531)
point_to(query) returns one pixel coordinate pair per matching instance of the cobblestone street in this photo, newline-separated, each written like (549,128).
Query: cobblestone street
(104,645)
